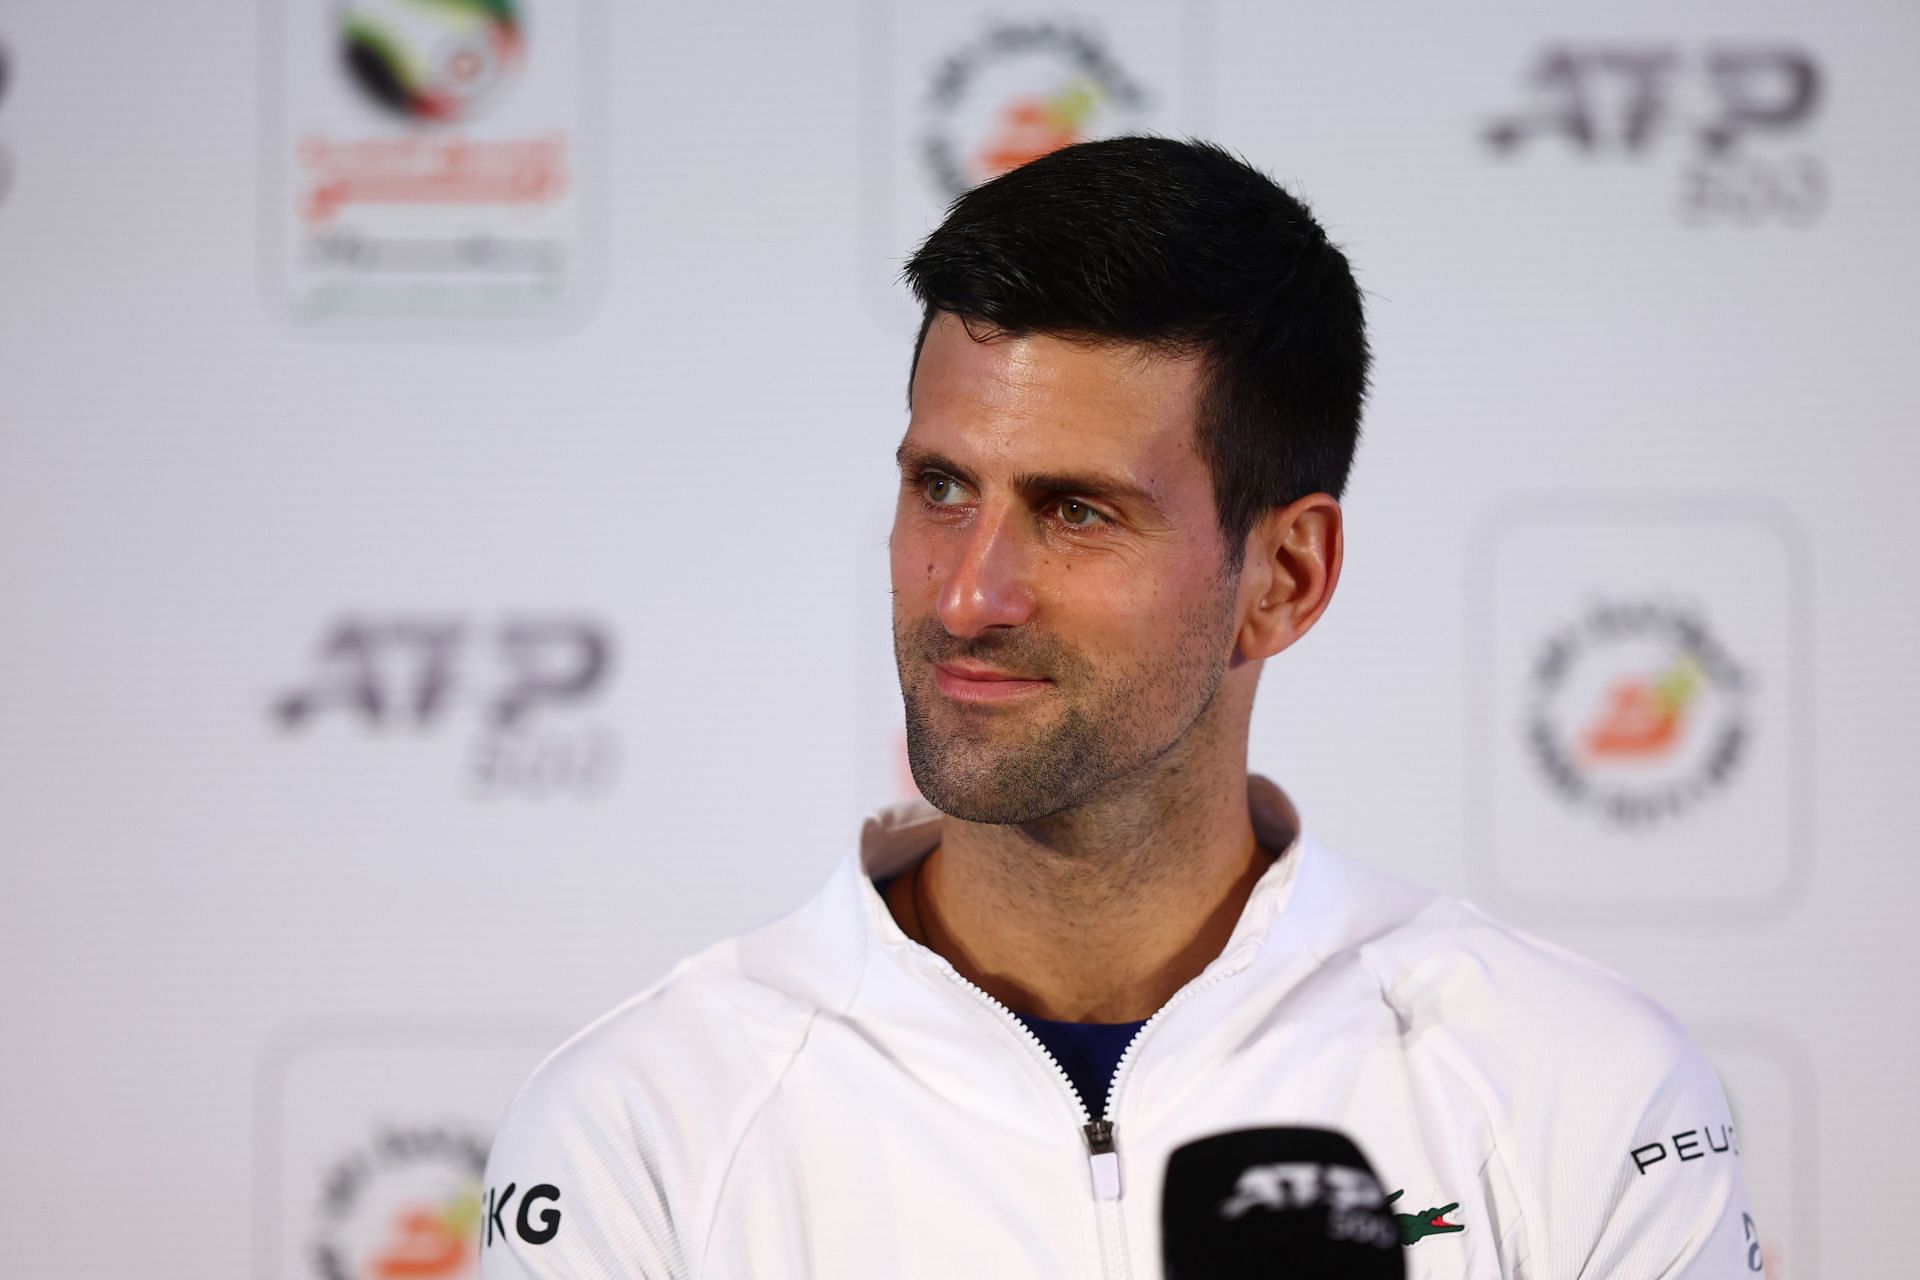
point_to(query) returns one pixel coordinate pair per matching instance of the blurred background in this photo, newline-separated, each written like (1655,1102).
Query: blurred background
(444,481)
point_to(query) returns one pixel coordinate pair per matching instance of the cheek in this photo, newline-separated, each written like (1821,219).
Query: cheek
(1137,616)
(922,541)
(1108,610)
(910,559)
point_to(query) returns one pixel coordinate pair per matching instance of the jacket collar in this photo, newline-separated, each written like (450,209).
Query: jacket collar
(845,952)
(1313,919)
(899,835)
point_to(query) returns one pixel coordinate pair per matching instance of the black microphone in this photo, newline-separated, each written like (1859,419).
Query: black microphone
(1298,1204)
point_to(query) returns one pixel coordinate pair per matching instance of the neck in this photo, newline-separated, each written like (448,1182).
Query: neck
(1097,914)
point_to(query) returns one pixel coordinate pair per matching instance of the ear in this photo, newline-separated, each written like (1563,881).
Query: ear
(1292,567)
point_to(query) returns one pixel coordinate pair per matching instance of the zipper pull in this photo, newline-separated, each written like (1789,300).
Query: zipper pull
(1105,1160)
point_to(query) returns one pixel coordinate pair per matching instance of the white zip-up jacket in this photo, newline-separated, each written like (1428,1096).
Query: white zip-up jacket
(824,1097)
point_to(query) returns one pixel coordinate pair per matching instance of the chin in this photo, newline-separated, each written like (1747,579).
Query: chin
(1009,789)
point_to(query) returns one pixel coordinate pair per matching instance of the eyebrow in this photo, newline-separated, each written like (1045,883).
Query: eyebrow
(913,458)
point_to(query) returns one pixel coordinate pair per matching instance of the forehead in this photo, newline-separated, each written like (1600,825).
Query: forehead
(1045,400)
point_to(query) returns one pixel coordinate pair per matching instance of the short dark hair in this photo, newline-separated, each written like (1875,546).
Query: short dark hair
(1184,248)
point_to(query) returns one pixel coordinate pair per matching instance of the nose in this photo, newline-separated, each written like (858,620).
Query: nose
(989,578)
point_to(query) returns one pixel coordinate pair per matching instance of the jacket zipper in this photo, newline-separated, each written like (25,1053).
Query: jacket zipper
(1103,1155)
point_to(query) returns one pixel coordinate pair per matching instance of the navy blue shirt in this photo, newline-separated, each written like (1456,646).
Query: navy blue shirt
(1089,1052)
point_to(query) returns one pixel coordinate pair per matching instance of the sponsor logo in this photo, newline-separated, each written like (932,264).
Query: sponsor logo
(536,1221)
(1301,1185)
(1428,1222)
(1637,712)
(1756,1256)
(1638,703)
(406,1206)
(1767,1076)
(1350,1196)
(437,60)
(425,157)
(526,680)
(1693,1144)
(958,94)
(1018,91)
(1732,119)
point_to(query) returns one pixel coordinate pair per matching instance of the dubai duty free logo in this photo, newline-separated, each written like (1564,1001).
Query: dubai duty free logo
(1636,712)
(1017,92)
(430,160)
(426,65)
(431,60)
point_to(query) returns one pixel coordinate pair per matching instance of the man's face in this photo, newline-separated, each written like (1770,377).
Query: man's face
(1115,601)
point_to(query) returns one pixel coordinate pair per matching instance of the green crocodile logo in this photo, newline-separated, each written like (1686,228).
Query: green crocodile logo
(1427,1222)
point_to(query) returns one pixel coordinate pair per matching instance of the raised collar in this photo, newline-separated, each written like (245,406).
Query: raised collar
(898,835)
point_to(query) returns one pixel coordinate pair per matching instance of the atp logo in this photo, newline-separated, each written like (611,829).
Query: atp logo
(1736,114)
(1341,1190)
(1301,1185)
(524,683)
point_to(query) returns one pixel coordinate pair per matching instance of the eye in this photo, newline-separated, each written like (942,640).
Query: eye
(927,478)
(939,490)
(1095,522)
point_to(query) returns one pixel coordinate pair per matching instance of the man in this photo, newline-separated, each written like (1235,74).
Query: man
(1134,404)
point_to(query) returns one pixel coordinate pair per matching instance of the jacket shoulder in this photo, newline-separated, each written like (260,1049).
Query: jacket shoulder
(719,1025)
(632,1123)
(1607,1120)
(1502,994)
(1496,993)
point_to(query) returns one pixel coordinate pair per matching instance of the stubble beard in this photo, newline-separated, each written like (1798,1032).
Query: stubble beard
(1029,760)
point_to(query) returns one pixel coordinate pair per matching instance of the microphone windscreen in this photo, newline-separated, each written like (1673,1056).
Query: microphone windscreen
(1282,1204)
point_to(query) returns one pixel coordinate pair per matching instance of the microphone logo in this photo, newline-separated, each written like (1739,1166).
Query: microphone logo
(1234,1202)
(1301,1185)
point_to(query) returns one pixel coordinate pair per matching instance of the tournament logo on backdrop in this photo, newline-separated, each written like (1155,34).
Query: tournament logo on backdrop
(1637,712)
(404,1205)
(1018,92)
(371,1143)
(521,691)
(431,159)
(959,92)
(1637,702)
(1725,127)
(431,59)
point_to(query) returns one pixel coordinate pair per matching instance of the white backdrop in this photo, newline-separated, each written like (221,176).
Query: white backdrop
(445,582)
